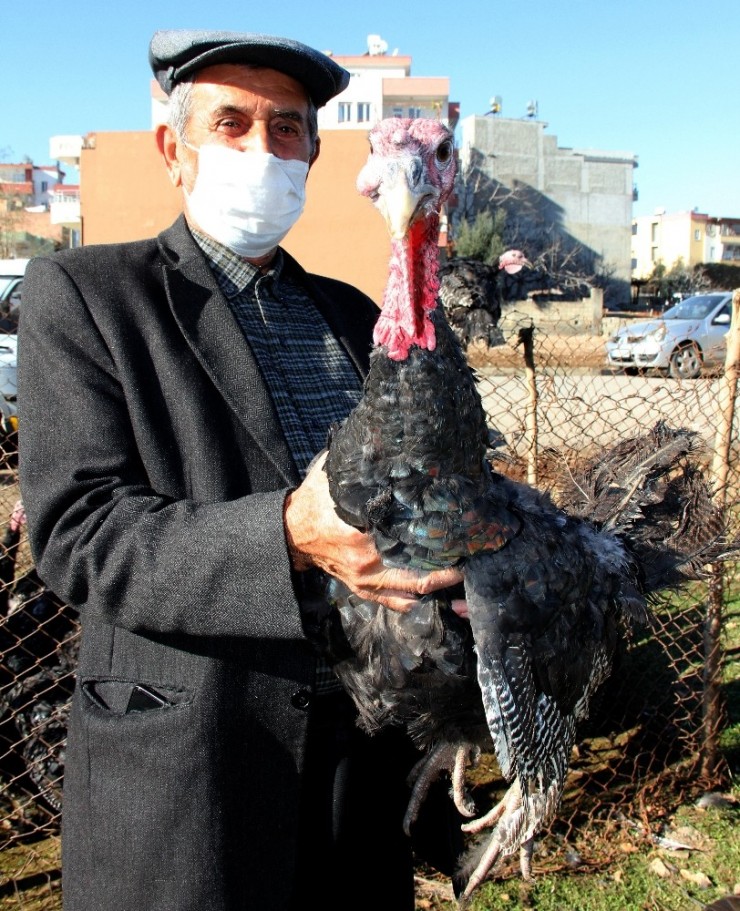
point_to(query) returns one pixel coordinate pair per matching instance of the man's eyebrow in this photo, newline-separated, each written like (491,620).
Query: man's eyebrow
(289,114)
(226,109)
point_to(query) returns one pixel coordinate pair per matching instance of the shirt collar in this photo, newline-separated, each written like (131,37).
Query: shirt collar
(235,274)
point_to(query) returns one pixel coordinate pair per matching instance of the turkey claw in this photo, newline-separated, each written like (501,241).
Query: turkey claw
(454,758)
(515,823)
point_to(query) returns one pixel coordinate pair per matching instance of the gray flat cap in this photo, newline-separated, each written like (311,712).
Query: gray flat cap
(176,54)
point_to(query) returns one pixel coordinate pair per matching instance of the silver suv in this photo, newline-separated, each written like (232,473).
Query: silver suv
(683,340)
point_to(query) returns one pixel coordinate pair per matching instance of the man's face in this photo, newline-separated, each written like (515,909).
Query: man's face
(246,108)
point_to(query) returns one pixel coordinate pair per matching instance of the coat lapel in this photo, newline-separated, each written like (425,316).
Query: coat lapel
(210,329)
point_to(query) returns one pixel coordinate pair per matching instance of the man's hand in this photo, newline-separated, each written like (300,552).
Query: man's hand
(317,537)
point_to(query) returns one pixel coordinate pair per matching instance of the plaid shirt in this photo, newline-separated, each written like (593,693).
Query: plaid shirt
(311,379)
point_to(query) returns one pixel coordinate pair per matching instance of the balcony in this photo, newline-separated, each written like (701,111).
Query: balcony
(64,206)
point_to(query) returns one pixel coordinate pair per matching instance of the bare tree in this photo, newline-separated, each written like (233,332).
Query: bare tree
(678,281)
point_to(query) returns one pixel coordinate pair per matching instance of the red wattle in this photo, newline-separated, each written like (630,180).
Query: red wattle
(411,293)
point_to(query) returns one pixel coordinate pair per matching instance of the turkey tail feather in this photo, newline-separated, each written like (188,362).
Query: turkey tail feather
(651,492)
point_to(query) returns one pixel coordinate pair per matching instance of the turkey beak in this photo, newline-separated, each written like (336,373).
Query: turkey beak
(402,197)
(398,208)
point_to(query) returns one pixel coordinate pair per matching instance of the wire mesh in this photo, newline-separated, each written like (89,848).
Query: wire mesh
(640,751)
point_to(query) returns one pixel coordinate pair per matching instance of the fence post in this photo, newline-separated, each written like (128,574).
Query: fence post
(713,652)
(597,310)
(526,340)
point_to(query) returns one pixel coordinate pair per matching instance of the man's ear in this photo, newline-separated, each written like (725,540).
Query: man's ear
(167,145)
(315,153)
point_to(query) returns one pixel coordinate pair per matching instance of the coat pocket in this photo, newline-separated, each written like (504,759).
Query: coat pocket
(126,697)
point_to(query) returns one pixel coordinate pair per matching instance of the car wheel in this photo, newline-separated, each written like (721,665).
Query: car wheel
(685,363)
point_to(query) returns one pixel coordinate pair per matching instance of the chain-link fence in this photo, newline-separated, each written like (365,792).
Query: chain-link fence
(653,737)
(654,733)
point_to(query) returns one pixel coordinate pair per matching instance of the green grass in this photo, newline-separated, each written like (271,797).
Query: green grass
(641,877)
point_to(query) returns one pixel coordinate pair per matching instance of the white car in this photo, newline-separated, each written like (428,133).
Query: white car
(8,365)
(683,340)
(11,282)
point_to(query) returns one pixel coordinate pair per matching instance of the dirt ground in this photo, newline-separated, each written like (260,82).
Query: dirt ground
(585,351)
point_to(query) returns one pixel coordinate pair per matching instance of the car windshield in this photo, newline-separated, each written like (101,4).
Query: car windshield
(5,281)
(694,307)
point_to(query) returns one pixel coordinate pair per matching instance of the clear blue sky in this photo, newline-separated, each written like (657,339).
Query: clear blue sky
(656,78)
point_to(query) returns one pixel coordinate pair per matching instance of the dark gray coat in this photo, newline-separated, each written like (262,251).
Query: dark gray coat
(153,471)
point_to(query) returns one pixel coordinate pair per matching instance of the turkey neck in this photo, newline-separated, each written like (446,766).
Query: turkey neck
(411,291)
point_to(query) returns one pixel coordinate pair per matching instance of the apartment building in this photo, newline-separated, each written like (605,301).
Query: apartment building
(28,185)
(690,238)
(584,196)
(381,85)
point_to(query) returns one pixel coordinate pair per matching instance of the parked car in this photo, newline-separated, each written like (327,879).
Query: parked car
(11,281)
(8,401)
(12,272)
(8,358)
(686,338)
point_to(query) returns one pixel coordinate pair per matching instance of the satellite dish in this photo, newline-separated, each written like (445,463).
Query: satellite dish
(376,46)
(532,109)
(495,104)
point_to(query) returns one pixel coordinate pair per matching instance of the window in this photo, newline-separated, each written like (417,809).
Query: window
(414,112)
(363,111)
(697,234)
(44,186)
(398,112)
(344,114)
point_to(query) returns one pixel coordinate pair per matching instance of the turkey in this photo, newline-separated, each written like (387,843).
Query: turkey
(549,591)
(471,293)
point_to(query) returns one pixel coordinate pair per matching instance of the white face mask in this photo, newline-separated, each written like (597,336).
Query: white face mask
(247,201)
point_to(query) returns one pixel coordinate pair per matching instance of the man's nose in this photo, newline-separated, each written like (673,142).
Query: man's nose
(257,139)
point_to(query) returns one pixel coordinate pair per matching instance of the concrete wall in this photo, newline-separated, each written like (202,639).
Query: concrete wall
(555,317)
(585,193)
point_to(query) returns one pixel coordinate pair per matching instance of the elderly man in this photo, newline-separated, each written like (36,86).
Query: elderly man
(173,394)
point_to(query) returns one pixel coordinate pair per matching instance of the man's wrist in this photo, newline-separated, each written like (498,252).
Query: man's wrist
(299,561)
